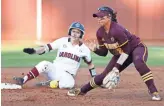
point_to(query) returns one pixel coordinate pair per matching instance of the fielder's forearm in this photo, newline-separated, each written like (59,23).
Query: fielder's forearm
(102,51)
(121,60)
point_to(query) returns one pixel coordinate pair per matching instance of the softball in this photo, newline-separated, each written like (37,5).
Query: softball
(54,84)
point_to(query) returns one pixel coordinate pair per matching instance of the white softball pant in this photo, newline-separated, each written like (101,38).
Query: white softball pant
(55,72)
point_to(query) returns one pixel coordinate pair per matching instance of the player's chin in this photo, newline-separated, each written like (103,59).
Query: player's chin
(101,24)
(75,39)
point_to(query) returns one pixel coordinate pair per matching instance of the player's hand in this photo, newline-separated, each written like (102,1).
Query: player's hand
(112,79)
(92,45)
(29,50)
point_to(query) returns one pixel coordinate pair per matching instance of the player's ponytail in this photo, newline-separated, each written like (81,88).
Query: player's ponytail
(114,16)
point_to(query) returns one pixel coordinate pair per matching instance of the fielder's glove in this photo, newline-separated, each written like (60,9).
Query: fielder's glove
(29,50)
(112,79)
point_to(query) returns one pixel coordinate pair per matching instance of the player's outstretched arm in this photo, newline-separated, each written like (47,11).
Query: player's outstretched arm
(88,60)
(91,66)
(39,50)
(97,48)
(45,48)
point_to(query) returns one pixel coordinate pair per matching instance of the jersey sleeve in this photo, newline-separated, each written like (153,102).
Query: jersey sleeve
(55,45)
(87,57)
(101,50)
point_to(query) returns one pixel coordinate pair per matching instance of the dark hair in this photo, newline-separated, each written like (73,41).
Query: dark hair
(114,16)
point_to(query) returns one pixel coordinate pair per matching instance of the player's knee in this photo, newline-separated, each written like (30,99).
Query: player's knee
(43,66)
(43,62)
(69,85)
(139,63)
(138,58)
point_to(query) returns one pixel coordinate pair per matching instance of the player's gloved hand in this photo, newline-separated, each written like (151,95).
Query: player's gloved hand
(29,50)
(112,79)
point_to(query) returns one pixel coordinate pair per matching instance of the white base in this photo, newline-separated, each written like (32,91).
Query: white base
(10,86)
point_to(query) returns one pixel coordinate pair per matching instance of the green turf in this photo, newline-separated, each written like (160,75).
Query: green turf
(20,59)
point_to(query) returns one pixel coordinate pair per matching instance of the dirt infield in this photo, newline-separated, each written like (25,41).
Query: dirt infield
(130,92)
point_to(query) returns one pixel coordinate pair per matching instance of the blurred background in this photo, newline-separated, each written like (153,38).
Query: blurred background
(145,18)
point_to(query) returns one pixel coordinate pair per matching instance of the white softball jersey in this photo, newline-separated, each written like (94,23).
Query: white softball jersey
(67,61)
(68,56)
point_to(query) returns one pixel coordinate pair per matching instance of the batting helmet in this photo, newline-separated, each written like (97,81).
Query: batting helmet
(77,25)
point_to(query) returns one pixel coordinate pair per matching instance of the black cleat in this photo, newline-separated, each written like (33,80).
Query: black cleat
(19,80)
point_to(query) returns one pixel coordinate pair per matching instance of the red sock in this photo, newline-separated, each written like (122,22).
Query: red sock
(32,74)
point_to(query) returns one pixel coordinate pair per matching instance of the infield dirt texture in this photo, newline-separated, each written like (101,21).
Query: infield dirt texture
(130,92)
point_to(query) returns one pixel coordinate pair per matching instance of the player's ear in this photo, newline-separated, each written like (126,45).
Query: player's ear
(110,17)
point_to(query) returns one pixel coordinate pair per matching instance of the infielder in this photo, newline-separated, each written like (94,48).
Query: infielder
(71,51)
(126,49)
